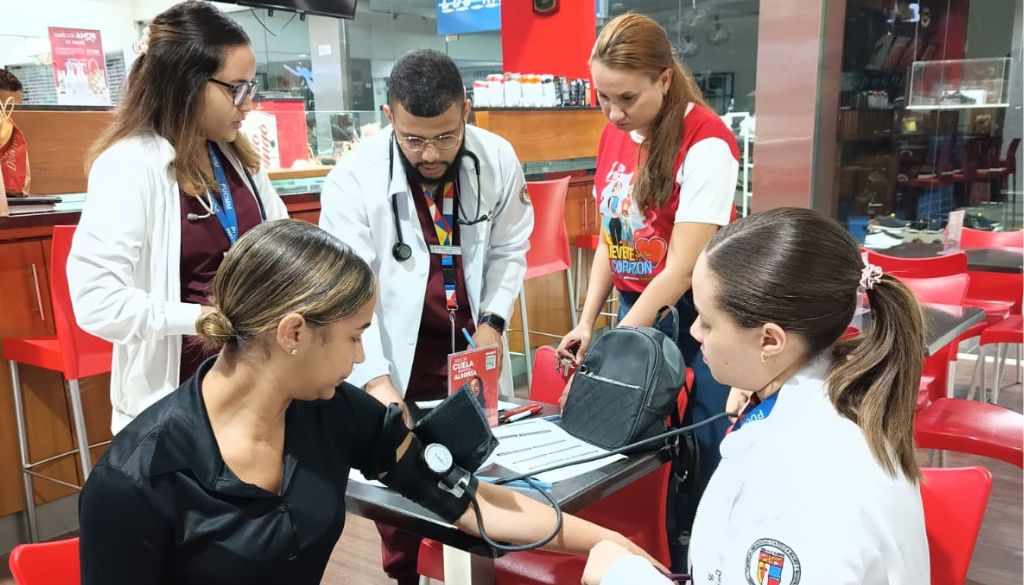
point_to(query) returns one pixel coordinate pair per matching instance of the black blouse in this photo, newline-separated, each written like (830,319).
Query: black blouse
(161,507)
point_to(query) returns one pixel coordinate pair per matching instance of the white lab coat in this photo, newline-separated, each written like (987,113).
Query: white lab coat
(124,268)
(800,490)
(356,207)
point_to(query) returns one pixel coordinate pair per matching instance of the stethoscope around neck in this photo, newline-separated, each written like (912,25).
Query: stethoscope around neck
(402,251)
(207,203)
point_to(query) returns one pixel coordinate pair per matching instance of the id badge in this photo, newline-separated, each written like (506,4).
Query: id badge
(446,250)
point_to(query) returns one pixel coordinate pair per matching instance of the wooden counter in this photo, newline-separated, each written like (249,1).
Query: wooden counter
(547,134)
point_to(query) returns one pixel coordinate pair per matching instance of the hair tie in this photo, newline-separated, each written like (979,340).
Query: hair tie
(142,45)
(870,275)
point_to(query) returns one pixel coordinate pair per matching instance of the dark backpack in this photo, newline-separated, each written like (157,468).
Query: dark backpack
(627,387)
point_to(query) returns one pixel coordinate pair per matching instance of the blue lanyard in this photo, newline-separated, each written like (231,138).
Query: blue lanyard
(756,411)
(226,215)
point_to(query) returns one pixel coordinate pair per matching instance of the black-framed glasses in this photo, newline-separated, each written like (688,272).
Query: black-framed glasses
(239,91)
(442,142)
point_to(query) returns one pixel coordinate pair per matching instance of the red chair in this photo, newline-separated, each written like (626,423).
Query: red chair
(46,563)
(967,426)
(1003,168)
(945,290)
(920,267)
(942,290)
(547,382)
(73,352)
(636,511)
(954,502)
(972,239)
(1009,332)
(549,251)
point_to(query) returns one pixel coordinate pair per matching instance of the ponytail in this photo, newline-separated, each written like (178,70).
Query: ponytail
(875,379)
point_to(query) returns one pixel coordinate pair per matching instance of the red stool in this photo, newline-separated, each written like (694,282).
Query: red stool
(967,426)
(73,352)
(46,563)
(954,502)
(549,251)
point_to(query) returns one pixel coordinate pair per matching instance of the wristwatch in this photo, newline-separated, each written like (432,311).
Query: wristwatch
(493,321)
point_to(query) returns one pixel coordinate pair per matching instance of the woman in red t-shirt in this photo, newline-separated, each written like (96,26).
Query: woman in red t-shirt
(665,182)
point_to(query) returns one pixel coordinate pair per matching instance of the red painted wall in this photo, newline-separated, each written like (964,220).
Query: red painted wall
(558,44)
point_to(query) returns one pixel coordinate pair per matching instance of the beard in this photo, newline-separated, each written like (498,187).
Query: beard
(451,172)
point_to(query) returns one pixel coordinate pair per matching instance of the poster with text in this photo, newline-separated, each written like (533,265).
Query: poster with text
(477,370)
(79,67)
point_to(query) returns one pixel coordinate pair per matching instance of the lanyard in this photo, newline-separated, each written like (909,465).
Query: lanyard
(444,227)
(444,222)
(756,410)
(226,216)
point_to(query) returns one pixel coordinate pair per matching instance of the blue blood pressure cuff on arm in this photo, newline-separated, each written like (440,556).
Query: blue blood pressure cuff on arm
(446,447)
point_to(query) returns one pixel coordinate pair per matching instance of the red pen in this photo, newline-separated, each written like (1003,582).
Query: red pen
(508,413)
(522,413)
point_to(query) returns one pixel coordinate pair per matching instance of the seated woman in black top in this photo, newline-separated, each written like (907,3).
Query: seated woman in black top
(239,475)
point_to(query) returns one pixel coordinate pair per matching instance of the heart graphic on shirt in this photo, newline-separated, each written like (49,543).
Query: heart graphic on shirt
(651,249)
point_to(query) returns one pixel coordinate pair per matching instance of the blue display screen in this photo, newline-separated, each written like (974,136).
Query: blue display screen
(456,17)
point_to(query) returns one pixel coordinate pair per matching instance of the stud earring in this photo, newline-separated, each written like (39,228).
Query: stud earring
(764,358)
(293,351)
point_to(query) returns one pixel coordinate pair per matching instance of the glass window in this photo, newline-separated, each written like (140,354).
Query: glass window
(929,117)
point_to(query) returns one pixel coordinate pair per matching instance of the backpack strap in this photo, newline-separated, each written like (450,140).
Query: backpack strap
(685,457)
(662,313)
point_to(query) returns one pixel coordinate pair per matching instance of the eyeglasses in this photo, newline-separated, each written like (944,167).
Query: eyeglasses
(239,91)
(442,142)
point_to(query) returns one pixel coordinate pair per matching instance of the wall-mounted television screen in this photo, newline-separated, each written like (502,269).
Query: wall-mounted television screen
(335,8)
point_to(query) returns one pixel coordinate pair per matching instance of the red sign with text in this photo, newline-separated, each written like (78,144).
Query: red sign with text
(79,68)
(477,370)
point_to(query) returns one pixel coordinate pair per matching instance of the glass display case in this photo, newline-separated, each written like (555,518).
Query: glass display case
(287,137)
(959,84)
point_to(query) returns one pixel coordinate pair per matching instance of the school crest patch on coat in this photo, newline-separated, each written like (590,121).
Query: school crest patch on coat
(771,562)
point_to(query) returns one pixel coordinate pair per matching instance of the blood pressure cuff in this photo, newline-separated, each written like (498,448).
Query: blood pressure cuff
(411,477)
(459,424)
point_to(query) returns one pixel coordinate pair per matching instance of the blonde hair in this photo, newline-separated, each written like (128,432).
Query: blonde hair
(633,42)
(281,267)
(164,96)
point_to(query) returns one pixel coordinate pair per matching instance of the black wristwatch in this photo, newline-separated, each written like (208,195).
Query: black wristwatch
(493,321)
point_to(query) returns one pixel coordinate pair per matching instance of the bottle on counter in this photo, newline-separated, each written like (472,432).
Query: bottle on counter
(548,91)
(496,90)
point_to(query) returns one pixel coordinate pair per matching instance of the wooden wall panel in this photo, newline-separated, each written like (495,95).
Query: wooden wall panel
(57,145)
(543,135)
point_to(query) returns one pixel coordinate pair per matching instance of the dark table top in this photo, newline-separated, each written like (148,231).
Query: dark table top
(942,323)
(989,260)
(573,495)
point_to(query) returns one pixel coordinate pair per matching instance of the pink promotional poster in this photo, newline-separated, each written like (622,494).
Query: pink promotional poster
(79,68)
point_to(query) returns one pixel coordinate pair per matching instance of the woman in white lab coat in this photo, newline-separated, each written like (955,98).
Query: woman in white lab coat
(172,184)
(818,481)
